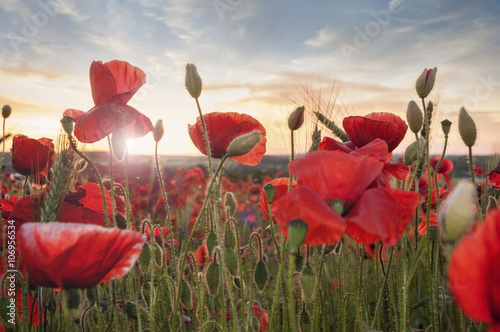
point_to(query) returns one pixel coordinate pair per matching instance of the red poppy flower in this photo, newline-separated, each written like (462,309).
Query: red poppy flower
(493,178)
(70,255)
(82,206)
(377,147)
(222,128)
(444,169)
(113,84)
(280,189)
(361,130)
(422,227)
(31,156)
(474,272)
(478,171)
(331,180)
(201,255)
(261,316)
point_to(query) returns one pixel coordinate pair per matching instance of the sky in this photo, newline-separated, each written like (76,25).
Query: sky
(259,57)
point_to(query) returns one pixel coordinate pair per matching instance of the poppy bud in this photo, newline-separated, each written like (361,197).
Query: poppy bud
(425,82)
(260,275)
(193,81)
(211,242)
(230,203)
(67,124)
(231,261)
(212,278)
(307,282)
(467,128)
(457,212)
(296,119)
(243,144)
(158,131)
(119,144)
(297,231)
(185,294)
(229,238)
(72,298)
(145,257)
(305,321)
(410,155)
(269,191)
(6,110)
(414,117)
(446,126)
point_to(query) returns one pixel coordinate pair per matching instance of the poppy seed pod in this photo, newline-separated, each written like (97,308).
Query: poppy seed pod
(193,81)
(414,117)
(446,126)
(466,128)
(457,212)
(243,144)
(67,124)
(297,231)
(6,110)
(296,119)
(230,203)
(158,131)
(425,82)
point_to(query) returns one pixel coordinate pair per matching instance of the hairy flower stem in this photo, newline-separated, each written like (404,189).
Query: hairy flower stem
(187,243)
(471,169)
(98,176)
(112,185)
(3,152)
(205,134)
(315,317)
(430,281)
(291,298)
(168,219)
(384,285)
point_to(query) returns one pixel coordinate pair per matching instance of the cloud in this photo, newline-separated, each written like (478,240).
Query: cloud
(70,8)
(324,37)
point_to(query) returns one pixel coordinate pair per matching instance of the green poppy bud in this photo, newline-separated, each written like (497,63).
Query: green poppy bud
(243,144)
(425,82)
(307,283)
(260,275)
(411,152)
(158,131)
(193,81)
(296,119)
(414,117)
(466,128)
(457,211)
(212,278)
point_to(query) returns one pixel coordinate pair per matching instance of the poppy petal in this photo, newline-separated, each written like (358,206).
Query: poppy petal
(493,178)
(361,130)
(280,189)
(222,128)
(70,255)
(325,225)
(102,120)
(381,214)
(74,113)
(473,273)
(330,144)
(335,174)
(115,81)
(31,156)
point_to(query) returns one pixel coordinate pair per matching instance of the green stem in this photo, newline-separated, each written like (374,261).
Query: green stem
(384,284)
(291,298)
(187,243)
(429,199)
(471,169)
(207,141)
(168,219)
